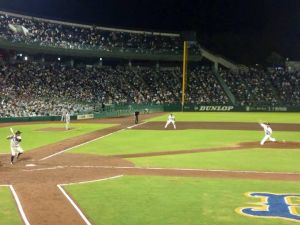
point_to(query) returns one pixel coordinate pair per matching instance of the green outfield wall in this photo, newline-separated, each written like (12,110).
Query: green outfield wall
(227,108)
(109,111)
(127,110)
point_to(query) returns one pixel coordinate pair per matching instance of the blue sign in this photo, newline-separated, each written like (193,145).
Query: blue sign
(270,205)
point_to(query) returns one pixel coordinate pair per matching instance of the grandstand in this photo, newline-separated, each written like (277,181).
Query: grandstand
(50,65)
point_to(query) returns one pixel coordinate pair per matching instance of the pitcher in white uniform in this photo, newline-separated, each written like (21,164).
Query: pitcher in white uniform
(171,119)
(268,133)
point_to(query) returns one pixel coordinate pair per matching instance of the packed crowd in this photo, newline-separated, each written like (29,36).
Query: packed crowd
(287,85)
(85,37)
(33,89)
(264,88)
(28,91)
(209,91)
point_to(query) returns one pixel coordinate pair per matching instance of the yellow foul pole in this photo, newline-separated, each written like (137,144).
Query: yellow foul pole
(184,73)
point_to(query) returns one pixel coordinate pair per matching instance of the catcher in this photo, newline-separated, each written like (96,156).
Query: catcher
(15,148)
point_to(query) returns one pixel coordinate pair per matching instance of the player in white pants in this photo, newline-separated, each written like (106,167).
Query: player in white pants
(66,118)
(171,119)
(268,133)
(15,148)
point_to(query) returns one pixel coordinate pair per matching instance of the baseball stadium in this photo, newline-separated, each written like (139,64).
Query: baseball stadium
(110,125)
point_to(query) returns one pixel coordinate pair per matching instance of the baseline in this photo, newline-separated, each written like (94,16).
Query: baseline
(90,141)
(76,146)
(20,208)
(60,186)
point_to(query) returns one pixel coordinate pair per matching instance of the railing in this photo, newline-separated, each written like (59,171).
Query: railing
(90,51)
(127,110)
(89,26)
(109,111)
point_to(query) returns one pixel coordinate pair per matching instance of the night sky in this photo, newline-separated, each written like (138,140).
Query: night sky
(244,31)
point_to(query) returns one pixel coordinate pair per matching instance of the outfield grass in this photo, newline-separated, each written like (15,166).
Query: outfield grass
(140,141)
(233,117)
(253,160)
(31,138)
(174,200)
(8,211)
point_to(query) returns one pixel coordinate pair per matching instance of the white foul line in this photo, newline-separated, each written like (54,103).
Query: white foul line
(159,168)
(92,181)
(76,146)
(74,204)
(137,125)
(47,168)
(187,169)
(19,205)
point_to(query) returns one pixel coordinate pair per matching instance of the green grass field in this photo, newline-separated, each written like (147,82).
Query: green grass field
(32,138)
(137,141)
(233,117)
(8,211)
(174,200)
(276,160)
(178,200)
(155,200)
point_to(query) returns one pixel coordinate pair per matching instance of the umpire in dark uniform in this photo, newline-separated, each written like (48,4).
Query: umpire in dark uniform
(136,115)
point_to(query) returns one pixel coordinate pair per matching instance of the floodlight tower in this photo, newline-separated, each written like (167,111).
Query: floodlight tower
(188,38)
(184,72)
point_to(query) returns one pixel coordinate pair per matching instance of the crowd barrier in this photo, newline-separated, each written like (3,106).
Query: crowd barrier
(127,110)
(227,108)
(114,53)
(110,111)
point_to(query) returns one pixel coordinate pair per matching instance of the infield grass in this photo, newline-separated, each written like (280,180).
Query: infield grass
(174,200)
(142,141)
(9,214)
(272,160)
(139,141)
(254,117)
(33,138)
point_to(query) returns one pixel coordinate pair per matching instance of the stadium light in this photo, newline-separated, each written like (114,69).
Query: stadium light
(25,58)
(100,59)
(58,58)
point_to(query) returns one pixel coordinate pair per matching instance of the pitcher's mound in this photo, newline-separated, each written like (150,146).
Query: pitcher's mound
(55,129)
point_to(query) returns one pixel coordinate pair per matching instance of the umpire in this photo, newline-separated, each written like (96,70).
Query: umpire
(136,115)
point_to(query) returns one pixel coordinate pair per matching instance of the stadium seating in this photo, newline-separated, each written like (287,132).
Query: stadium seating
(64,35)
(32,88)
(264,88)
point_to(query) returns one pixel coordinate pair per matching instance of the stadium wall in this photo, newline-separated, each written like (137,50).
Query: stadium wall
(127,110)
(110,111)
(115,53)
(227,108)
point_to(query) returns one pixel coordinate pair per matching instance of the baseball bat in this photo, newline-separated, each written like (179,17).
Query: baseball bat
(12,131)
